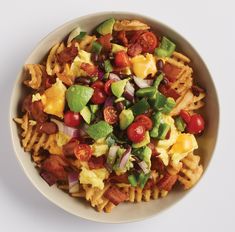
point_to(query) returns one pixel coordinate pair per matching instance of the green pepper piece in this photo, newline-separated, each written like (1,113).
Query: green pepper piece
(156,118)
(146,92)
(143,178)
(140,107)
(80,36)
(96,47)
(163,130)
(166,48)
(158,80)
(169,105)
(107,66)
(94,108)
(132,180)
(180,124)
(159,101)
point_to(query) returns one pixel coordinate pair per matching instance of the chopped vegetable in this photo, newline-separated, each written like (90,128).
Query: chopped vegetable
(132,180)
(166,48)
(180,124)
(146,92)
(96,47)
(140,107)
(108,66)
(143,178)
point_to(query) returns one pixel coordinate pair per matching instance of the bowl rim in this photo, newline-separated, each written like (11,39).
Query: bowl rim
(11,114)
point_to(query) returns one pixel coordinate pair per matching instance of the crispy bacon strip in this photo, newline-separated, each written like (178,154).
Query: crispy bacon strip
(171,72)
(55,165)
(105,42)
(115,195)
(167,182)
(68,54)
(134,49)
(90,69)
(36,111)
(96,162)
(119,179)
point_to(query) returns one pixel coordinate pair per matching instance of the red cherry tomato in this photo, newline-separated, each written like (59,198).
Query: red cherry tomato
(98,85)
(107,87)
(98,97)
(196,124)
(148,42)
(136,132)
(145,121)
(110,115)
(72,119)
(83,152)
(185,116)
(121,59)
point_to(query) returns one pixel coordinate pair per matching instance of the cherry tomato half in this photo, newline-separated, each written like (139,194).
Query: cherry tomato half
(196,124)
(83,152)
(136,132)
(121,59)
(107,87)
(98,97)
(148,42)
(110,115)
(98,85)
(185,116)
(72,119)
(145,121)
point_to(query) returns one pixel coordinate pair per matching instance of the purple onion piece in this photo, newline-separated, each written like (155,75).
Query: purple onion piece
(129,92)
(100,74)
(48,177)
(149,81)
(111,157)
(144,166)
(114,77)
(125,157)
(141,83)
(73,182)
(109,101)
(119,106)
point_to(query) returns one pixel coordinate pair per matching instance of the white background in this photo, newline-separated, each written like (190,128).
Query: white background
(209,26)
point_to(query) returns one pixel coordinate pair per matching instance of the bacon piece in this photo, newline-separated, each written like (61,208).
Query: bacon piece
(121,36)
(55,165)
(105,42)
(134,49)
(167,182)
(90,69)
(68,54)
(48,128)
(171,72)
(36,111)
(115,195)
(149,185)
(68,148)
(96,162)
(157,164)
(168,91)
(119,179)
(133,36)
(48,177)
(27,103)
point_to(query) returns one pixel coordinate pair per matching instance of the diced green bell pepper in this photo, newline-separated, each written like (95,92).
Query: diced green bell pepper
(158,80)
(163,130)
(143,178)
(132,180)
(140,107)
(180,124)
(166,48)
(108,66)
(96,47)
(146,92)
(80,36)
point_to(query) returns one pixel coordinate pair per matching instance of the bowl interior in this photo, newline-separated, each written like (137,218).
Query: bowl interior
(135,211)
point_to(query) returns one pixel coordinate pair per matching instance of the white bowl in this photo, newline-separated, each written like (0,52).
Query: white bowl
(127,212)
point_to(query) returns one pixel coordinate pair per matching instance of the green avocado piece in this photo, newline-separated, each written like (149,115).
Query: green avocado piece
(99,130)
(126,117)
(78,96)
(86,114)
(94,108)
(118,87)
(118,48)
(144,142)
(106,27)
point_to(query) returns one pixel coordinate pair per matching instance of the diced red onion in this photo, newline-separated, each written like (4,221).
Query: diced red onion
(73,182)
(109,101)
(125,157)
(141,83)
(100,74)
(114,77)
(111,156)
(48,177)
(144,166)
(149,81)
(129,91)
(70,131)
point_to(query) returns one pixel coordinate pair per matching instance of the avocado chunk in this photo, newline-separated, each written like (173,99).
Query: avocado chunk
(86,114)
(78,96)
(118,48)
(126,117)
(99,130)
(106,27)
(118,87)
(144,142)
